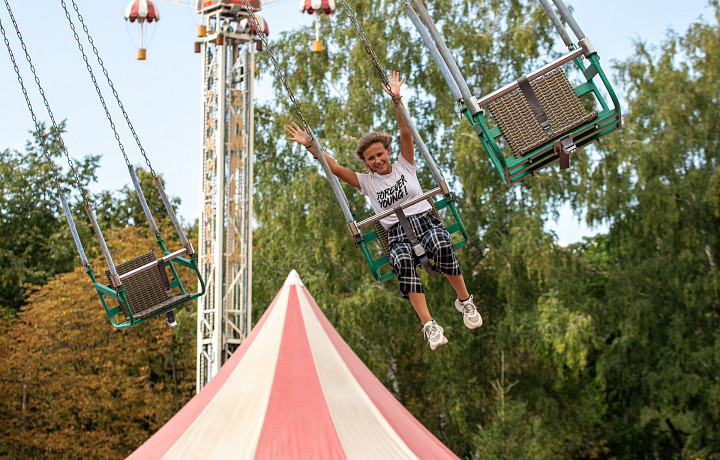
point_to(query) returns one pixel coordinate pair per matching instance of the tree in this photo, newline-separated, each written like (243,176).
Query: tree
(300,225)
(74,387)
(35,243)
(657,184)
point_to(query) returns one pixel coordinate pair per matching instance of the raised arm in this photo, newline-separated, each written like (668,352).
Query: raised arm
(407,148)
(302,137)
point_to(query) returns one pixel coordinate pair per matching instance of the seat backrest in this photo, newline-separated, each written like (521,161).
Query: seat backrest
(144,290)
(518,124)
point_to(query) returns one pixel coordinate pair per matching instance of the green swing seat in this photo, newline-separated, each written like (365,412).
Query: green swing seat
(146,293)
(526,146)
(539,119)
(379,263)
(146,290)
(140,286)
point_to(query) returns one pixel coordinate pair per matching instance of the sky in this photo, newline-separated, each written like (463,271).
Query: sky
(162,94)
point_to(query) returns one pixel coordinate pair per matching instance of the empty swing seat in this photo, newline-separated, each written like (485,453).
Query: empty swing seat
(519,125)
(540,119)
(145,290)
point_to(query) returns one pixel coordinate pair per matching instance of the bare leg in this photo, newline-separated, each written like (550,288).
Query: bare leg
(420,305)
(458,283)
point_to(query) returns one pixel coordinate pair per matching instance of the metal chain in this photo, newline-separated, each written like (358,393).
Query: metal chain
(110,83)
(47,106)
(366,43)
(41,139)
(263,39)
(94,80)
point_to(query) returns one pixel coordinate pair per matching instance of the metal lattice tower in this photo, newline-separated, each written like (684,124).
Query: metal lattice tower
(225,246)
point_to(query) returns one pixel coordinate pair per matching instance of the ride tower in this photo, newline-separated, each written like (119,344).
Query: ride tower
(226,41)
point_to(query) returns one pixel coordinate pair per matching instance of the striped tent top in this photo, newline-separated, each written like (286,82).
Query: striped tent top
(293,390)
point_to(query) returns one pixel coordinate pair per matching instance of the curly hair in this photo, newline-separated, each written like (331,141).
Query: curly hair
(368,140)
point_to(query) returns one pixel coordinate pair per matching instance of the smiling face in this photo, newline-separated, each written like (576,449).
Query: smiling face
(373,151)
(377,158)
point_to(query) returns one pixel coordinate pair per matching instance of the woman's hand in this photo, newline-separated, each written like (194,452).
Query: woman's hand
(394,85)
(298,135)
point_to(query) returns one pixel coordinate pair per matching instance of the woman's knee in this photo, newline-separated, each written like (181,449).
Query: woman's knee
(439,242)
(402,261)
(401,256)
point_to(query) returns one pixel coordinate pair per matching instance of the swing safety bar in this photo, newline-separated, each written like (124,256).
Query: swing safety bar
(153,264)
(434,52)
(173,217)
(498,93)
(408,203)
(429,160)
(556,22)
(332,179)
(103,245)
(567,16)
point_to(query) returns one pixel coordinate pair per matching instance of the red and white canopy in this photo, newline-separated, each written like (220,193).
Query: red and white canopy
(317,6)
(293,390)
(261,20)
(141,10)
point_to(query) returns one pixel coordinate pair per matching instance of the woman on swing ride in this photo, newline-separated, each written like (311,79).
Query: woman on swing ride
(388,184)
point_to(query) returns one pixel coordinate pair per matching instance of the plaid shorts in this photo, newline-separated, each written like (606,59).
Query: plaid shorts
(438,246)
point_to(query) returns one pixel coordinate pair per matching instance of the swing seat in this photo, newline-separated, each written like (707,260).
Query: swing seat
(146,293)
(141,286)
(145,290)
(380,234)
(517,122)
(518,145)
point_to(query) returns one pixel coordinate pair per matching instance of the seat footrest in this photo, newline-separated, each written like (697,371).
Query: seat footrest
(161,306)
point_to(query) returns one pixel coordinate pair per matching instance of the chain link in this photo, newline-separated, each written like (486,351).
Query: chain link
(110,83)
(47,106)
(263,38)
(366,43)
(94,80)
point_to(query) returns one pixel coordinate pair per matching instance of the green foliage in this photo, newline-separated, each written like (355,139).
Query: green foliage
(74,387)
(657,185)
(608,348)
(300,224)
(611,346)
(35,242)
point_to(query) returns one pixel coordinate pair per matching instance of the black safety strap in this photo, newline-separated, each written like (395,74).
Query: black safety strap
(563,147)
(417,247)
(535,105)
(171,322)
(164,277)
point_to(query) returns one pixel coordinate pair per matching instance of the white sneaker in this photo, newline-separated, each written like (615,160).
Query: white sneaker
(434,334)
(471,317)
